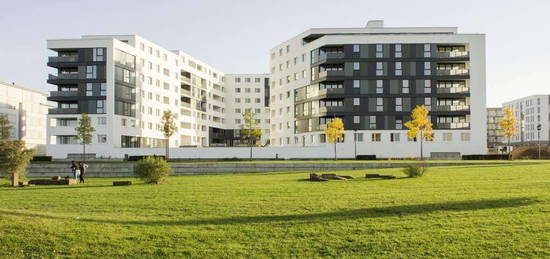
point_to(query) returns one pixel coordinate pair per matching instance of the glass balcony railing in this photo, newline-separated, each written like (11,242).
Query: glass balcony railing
(63,76)
(63,59)
(453,54)
(331,91)
(326,109)
(63,93)
(452,108)
(453,90)
(452,72)
(453,125)
(63,111)
(325,74)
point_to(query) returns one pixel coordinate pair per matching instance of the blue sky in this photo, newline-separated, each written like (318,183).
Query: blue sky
(236,36)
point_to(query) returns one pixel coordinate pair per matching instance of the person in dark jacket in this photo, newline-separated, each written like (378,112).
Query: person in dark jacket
(73,169)
(82,166)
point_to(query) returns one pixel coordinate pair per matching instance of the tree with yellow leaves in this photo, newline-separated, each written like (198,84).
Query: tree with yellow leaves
(420,124)
(508,124)
(335,132)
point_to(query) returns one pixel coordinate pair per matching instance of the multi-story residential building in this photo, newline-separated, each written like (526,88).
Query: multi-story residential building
(246,92)
(531,112)
(495,135)
(125,83)
(26,111)
(372,78)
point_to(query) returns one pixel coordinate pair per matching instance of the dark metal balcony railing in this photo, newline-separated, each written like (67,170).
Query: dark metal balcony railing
(63,59)
(324,74)
(326,109)
(63,76)
(63,93)
(63,111)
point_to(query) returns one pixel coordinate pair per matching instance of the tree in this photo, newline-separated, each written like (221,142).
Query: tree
(335,132)
(84,132)
(152,170)
(5,127)
(420,123)
(168,128)
(14,157)
(508,124)
(250,130)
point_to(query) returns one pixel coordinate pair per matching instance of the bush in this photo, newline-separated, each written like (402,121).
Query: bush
(14,158)
(415,170)
(152,169)
(486,157)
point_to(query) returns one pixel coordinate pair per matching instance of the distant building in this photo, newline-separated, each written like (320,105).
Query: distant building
(530,112)
(26,110)
(495,135)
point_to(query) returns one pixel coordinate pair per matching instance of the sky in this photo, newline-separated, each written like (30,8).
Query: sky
(236,36)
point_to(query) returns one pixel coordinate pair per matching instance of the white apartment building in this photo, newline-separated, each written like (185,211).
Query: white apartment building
(530,112)
(125,83)
(26,111)
(372,78)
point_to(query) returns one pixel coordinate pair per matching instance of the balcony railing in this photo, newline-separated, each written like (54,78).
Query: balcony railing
(184,104)
(453,54)
(453,125)
(331,55)
(185,92)
(185,79)
(453,108)
(63,93)
(63,76)
(331,91)
(63,111)
(452,72)
(453,90)
(324,74)
(63,59)
(326,109)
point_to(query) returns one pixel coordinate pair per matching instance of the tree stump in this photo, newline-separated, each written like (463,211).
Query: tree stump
(14,179)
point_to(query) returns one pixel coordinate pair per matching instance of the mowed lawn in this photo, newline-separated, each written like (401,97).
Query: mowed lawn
(453,212)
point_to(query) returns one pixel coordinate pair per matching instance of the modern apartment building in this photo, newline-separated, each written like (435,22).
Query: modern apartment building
(125,83)
(531,111)
(26,110)
(495,134)
(372,78)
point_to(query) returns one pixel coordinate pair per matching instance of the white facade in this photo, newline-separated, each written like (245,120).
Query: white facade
(531,111)
(26,110)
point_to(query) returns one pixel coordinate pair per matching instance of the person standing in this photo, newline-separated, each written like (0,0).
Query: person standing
(74,167)
(83,168)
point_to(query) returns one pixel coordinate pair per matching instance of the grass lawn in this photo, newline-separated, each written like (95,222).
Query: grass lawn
(465,211)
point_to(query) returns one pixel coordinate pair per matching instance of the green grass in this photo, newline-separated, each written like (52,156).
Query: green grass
(454,212)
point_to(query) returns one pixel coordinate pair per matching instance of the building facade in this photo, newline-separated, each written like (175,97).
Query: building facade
(530,112)
(26,111)
(372,78)
(495,134)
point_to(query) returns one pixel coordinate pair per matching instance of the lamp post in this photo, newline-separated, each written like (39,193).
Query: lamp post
(539,127)
(355,142)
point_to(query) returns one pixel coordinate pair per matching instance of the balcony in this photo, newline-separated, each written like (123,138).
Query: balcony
(453,125)
(185,79)
(453,54)
(326,109)
(63,76)
(63,59)
(63,93)
(331,91)
(63,111)
(185,92)
(453,90)
(453,72)
(326,74)
(452,108)
(184,104)
(328,56)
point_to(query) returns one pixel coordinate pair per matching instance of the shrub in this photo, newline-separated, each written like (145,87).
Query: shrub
(14,157)
(415,170)
(152,169)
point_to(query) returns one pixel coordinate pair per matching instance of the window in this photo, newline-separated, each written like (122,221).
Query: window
(257,100)
(257,111)
(398,53)
(359,137)
(379,51)
(379,86)
(247,100)
(398,69)
(247,90)
(379,104)
(447,137)
(237,90)
(101,121)
(376,137)
(427,68)
(238,110)
(238,100)
(98,54)
(398,104)
(427,86)
(238,121)
(91,72)
(465,136)
(398,124)
(257,90)
(356,101)
(372,122)
(89,89)
(356,83)
(405,87)
(355,48)
(287,48)
(427,50)
(379,68)
(356,66)
(428,103)
(247,80)
(356,119)
(237,79)
(395,137)
(101,138)
(100,106)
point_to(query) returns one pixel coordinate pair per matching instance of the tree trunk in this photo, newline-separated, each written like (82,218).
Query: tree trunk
(335,157)
(83,152)
(14,179)
(421,148)
(509,150)
(167,148)
(250,144)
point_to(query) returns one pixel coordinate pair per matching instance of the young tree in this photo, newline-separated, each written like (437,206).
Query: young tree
(335,132)
(168,128)
(420,123)
(508,124)
(5,127)
(250,130)
(14,158)
(84,132)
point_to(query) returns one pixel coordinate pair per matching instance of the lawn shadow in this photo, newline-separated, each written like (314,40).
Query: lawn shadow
(63,187)
(375,212)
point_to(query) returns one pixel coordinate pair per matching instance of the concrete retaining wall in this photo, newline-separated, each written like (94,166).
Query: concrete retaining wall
(126,169)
